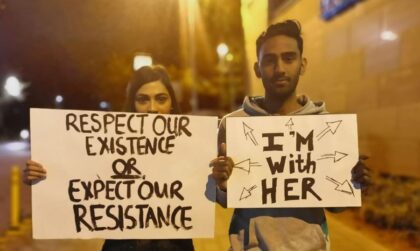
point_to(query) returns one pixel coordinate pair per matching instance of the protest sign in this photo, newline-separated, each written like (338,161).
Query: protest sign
(121,175)
(292,161)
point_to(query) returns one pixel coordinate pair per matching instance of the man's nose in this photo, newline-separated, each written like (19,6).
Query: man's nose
(279,66)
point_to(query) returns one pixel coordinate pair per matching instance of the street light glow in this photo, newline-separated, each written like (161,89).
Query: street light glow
(222,50)
(59,99)
(24,134)
(15,146)
(104,105)
(13,87)
(388,35)
(142,59)
(229,57)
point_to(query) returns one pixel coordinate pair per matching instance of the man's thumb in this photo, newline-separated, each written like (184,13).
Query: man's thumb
(222,149)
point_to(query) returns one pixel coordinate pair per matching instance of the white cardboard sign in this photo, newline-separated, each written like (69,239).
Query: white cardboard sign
(292,161)
(121,175)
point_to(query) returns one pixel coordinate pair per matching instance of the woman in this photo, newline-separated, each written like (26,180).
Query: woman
(149,91)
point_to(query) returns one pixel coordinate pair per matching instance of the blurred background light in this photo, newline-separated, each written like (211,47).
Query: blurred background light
(24,134)
(13,87)
(142,59)
(222,50)
(104,105)
(15,146)
(388,35)
(59,99)
(229,57)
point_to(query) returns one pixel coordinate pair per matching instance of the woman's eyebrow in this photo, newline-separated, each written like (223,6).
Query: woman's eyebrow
(141,96)
(162,94)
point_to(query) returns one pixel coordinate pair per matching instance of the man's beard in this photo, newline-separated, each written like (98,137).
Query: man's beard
(280,92)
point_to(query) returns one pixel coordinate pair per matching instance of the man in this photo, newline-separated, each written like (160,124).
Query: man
(280,64)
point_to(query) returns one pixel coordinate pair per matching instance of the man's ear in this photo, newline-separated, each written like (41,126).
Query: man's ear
(257,70)
(303,66)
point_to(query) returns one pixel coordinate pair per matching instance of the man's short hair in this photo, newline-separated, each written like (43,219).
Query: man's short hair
(290,28)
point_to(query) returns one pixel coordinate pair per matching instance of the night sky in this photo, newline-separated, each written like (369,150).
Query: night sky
(68,46)
(80,49)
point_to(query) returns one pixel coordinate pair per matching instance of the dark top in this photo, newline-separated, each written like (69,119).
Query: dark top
(148,245)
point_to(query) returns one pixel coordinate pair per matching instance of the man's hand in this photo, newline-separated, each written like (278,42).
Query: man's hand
(361,173)
(222,168)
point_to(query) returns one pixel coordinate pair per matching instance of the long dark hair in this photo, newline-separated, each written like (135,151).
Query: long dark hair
(147,74)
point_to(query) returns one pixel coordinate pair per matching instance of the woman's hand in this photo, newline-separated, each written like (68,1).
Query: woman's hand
(33,173)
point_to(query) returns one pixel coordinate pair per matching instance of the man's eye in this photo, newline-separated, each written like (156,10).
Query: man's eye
(268,61)
(288,58)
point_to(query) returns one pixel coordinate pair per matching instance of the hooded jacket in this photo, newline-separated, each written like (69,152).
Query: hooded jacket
(275,228)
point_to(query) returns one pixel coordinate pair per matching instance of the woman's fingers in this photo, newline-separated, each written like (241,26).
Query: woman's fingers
(36,173)
(33,172)
(33,163)
(34,166)
(34,169)
(34,177)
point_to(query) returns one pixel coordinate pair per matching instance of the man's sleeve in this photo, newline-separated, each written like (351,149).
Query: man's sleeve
(221,197)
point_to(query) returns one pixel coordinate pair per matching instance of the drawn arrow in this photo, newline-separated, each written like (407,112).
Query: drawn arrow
(289,124)
(246,165)
(331,127)
(344,187)
(248,133)
(247,192)
(337,156)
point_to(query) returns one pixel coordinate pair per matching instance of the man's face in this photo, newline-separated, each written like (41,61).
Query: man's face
(279,66)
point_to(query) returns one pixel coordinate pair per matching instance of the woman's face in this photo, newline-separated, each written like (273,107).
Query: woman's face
(153,97)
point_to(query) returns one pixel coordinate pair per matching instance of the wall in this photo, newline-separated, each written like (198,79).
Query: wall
(355,71)
(254,20)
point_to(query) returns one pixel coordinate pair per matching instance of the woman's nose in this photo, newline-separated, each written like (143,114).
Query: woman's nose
(152,107)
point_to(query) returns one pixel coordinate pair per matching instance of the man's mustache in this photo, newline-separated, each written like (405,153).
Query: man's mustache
(279,77)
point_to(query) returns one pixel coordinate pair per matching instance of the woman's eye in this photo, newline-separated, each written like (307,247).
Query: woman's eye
(162,99)
(142,99)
